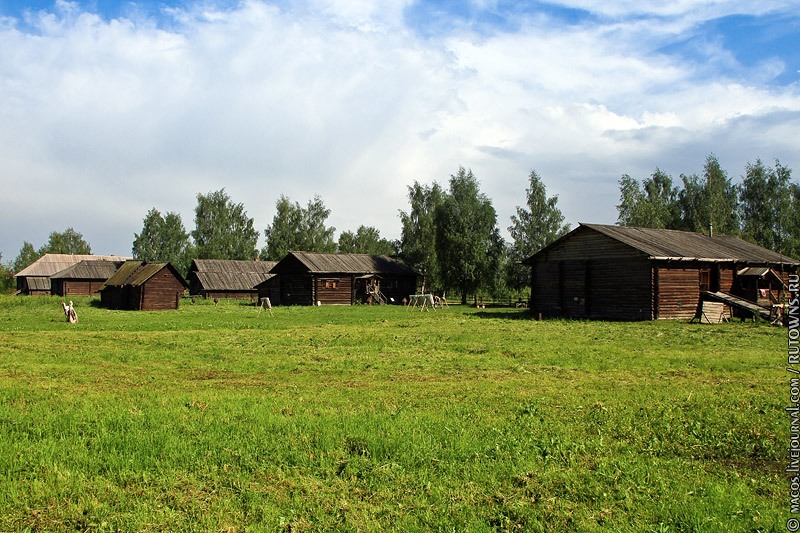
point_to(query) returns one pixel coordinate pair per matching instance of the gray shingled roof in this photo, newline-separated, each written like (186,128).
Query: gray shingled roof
(136,273)
(49,264)
(318,263)
(231,266)
(230,275)
(683,245)
(665,244)
(89,270)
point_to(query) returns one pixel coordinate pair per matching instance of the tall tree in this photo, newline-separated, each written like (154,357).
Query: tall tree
(296,228)
(222,228)
(533,228)
(654,205)
(163,238)
(418,236)
(465,226)
(319,237)
(27,255)
(6,276)
(68,241)
(791,221)
(709,202)
(765,196)
(366,240)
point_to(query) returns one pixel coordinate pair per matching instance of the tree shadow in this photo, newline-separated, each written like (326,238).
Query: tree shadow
(513,314)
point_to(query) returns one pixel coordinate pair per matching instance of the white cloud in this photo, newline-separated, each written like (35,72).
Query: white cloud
(100,120)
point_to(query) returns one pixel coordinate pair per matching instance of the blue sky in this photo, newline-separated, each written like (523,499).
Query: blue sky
(108,109)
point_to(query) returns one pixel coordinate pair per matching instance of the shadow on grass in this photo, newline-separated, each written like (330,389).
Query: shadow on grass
(510,314)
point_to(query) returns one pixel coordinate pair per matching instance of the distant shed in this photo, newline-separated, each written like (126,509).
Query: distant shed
(620,273)
(217,278)
(305,278)
(35,278)
(138,285)
(84,278)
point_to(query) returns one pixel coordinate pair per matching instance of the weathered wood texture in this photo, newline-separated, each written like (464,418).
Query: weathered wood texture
(617,273)
(138,285)
(331,279)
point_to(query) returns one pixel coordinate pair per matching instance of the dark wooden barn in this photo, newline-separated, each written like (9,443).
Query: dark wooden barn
(35,278)
(619,273)
(305,278)
(216,278)
(138,285)
(83,278)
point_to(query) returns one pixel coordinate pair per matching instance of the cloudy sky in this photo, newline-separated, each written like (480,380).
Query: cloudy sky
(108,109)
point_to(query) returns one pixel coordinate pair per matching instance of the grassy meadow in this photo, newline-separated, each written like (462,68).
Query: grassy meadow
(215,418)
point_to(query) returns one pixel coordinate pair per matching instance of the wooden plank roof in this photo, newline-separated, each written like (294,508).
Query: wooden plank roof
(235,281)
(230,275)
(49,264)
(320,263)
(136,273)
(231,266)
(674,245)
(89,270)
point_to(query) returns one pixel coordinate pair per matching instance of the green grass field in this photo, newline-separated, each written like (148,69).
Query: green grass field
(212,418)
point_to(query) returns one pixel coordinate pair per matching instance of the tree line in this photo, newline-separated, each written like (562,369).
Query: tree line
(451,234)
(764,208)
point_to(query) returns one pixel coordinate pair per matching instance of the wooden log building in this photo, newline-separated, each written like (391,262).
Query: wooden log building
(34,279)
(218,278)
(305,278)
(83,278)
(142,286)
(619,273)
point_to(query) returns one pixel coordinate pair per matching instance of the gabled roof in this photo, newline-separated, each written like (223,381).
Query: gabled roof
(665,244)
(136,273)
(318,263)
(230,275)
(49,264)
(89,270)
(231,266)
(236,281)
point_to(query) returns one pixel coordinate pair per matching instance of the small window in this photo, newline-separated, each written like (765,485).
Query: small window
(331,283)
(705,280)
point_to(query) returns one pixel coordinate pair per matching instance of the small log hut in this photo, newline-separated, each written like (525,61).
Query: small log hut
(218,278)
(305,278)
(142,286)
(609,272)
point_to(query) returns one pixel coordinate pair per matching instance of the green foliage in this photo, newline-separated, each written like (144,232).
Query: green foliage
(215,418)
(163,238)
(765,201)
(710,201)
(366,240)
(532,229)
(294,228)
(465,235)
(6,276)
(68,241)
(27,255)
(222,229)
(418,236)
(654,205)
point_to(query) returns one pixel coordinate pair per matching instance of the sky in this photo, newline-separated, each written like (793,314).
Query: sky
(110,109)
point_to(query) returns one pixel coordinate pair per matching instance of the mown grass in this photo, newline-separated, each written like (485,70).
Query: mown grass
(212,418)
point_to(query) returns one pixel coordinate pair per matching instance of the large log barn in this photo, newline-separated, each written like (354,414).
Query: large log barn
(618,273)
(139,285)
(307,278)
